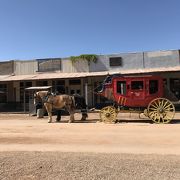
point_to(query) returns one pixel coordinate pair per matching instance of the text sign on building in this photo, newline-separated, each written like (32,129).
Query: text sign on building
(49,64)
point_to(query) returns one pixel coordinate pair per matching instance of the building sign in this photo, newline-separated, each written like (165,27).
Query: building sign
(49,64)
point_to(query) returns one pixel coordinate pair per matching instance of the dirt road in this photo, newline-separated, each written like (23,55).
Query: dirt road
(32,149)
(25,133)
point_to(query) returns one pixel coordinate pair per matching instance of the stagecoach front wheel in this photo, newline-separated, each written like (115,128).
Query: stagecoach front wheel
(108,114)
(161,110)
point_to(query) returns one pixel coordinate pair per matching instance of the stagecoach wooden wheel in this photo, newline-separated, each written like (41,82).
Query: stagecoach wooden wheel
(108,114)
(161,110)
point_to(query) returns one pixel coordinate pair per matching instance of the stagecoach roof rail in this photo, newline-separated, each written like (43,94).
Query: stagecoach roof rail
(131,75)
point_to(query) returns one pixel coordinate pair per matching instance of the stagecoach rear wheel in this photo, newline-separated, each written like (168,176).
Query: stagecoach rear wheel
(161,110)
(108,114)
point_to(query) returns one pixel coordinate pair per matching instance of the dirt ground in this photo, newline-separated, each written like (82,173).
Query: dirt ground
(21,132)
(134,148)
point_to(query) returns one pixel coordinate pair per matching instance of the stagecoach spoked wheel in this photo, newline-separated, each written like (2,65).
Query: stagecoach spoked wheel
(161,110)
(108,114)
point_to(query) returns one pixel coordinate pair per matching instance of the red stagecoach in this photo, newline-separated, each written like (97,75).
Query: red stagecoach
(146,93)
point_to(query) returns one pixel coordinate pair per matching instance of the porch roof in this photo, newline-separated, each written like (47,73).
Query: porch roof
(56,75)
(60,75)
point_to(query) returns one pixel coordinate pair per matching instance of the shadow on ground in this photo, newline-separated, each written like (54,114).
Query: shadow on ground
(174,121)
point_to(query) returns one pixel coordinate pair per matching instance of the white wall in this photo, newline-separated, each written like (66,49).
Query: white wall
(25,67)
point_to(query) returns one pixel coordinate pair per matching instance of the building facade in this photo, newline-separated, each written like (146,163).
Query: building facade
(82,77)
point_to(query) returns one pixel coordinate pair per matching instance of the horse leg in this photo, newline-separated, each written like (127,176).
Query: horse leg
(49,111)
(50,116)
(71,118)
(83,106)
(58,115)
(71,112)
(84,116)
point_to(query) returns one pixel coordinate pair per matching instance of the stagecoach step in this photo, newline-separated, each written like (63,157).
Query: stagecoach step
(40,113)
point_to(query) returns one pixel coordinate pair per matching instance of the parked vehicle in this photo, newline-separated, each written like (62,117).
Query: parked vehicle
(146,94)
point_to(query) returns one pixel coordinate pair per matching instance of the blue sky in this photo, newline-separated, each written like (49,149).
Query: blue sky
(31,29)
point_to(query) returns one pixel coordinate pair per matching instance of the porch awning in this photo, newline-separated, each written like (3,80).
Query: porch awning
(56,75)
(61,75)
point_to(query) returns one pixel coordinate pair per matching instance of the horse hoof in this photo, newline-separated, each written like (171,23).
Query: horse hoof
(49,121)
(58,120)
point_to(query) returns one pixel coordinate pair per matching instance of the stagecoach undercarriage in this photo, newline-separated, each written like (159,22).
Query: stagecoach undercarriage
(159,110)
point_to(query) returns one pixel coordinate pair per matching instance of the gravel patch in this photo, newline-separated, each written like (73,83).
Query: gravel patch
(93,166)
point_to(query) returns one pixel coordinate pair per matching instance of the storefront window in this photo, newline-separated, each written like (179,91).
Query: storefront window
(24,85)
(59,86)
(3,93)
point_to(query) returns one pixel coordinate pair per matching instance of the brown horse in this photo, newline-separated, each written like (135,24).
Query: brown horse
(57,102)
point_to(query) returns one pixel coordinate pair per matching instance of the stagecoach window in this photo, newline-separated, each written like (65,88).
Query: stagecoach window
(121,87)
(153,86)
(137,85)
